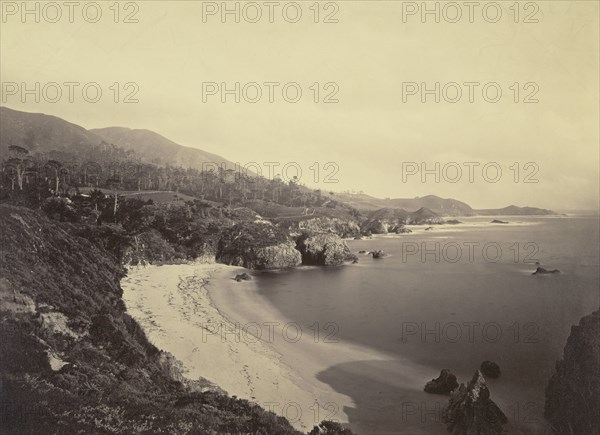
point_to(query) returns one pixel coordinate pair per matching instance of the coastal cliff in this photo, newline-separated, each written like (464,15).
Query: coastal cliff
(323,249)
(74,361)
(343,227)
(257,246)
(573,393)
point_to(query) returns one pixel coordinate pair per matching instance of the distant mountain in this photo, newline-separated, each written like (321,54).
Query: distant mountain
(42,134)
(440,206)
(158,149)
(513,210)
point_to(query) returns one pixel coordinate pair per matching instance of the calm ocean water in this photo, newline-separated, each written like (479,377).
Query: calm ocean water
(450,297)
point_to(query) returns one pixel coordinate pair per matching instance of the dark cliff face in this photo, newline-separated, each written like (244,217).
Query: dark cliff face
(471,410)
(72,360)
(573,393)
(324,249)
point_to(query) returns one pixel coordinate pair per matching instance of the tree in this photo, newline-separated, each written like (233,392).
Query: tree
(20,162)
(55,166)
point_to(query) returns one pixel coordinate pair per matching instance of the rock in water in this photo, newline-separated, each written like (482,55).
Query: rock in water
(542,271)
(573,393)
(472,412)
(242,277)
(444,384)
(378,254)
(490,369)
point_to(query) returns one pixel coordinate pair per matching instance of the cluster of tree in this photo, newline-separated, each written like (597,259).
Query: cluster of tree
(95,194)
(116,169)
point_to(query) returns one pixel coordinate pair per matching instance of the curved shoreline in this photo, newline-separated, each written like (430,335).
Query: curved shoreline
(175,306)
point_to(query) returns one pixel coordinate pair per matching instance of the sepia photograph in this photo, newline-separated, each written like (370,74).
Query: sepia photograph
(310,217)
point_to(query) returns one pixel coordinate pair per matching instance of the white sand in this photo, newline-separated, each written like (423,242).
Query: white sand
(171,303)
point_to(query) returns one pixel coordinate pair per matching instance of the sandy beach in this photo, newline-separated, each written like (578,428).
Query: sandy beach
(173,306)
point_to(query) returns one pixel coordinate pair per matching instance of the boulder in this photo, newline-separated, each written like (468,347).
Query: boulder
(445,383)
(243,277)
(543,271)
(471,411)
(257,246)
(323,249)
(490,369)
(573,392)
(429,229)
(378,254)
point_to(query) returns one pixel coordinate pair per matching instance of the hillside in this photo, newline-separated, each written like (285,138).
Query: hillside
(145,160)
(43,134)
(158,149)
(73,361)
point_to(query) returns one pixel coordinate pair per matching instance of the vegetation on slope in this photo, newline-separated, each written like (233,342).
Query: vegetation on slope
(72,359)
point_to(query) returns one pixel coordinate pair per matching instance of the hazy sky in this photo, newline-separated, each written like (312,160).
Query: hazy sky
(372,134)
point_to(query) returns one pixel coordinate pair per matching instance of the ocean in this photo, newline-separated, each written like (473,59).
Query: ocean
(449,297)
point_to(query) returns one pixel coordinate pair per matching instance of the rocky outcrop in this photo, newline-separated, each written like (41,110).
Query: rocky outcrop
(323,249)
(342,227)
(378,254)
(490,369)
(471,411)
(243,277)
(257,246)
(497,221)
(388,220)
(277,256)
(543,271)
(445,383)
(573,393)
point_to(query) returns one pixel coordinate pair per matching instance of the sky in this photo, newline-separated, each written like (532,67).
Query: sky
(376,63)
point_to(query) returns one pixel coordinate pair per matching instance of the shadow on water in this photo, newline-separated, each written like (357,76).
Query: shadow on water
(389,399)
(385,402)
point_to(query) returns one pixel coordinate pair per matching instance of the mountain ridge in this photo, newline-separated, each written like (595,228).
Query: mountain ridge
(47,134)
(42,133)
(446,207)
